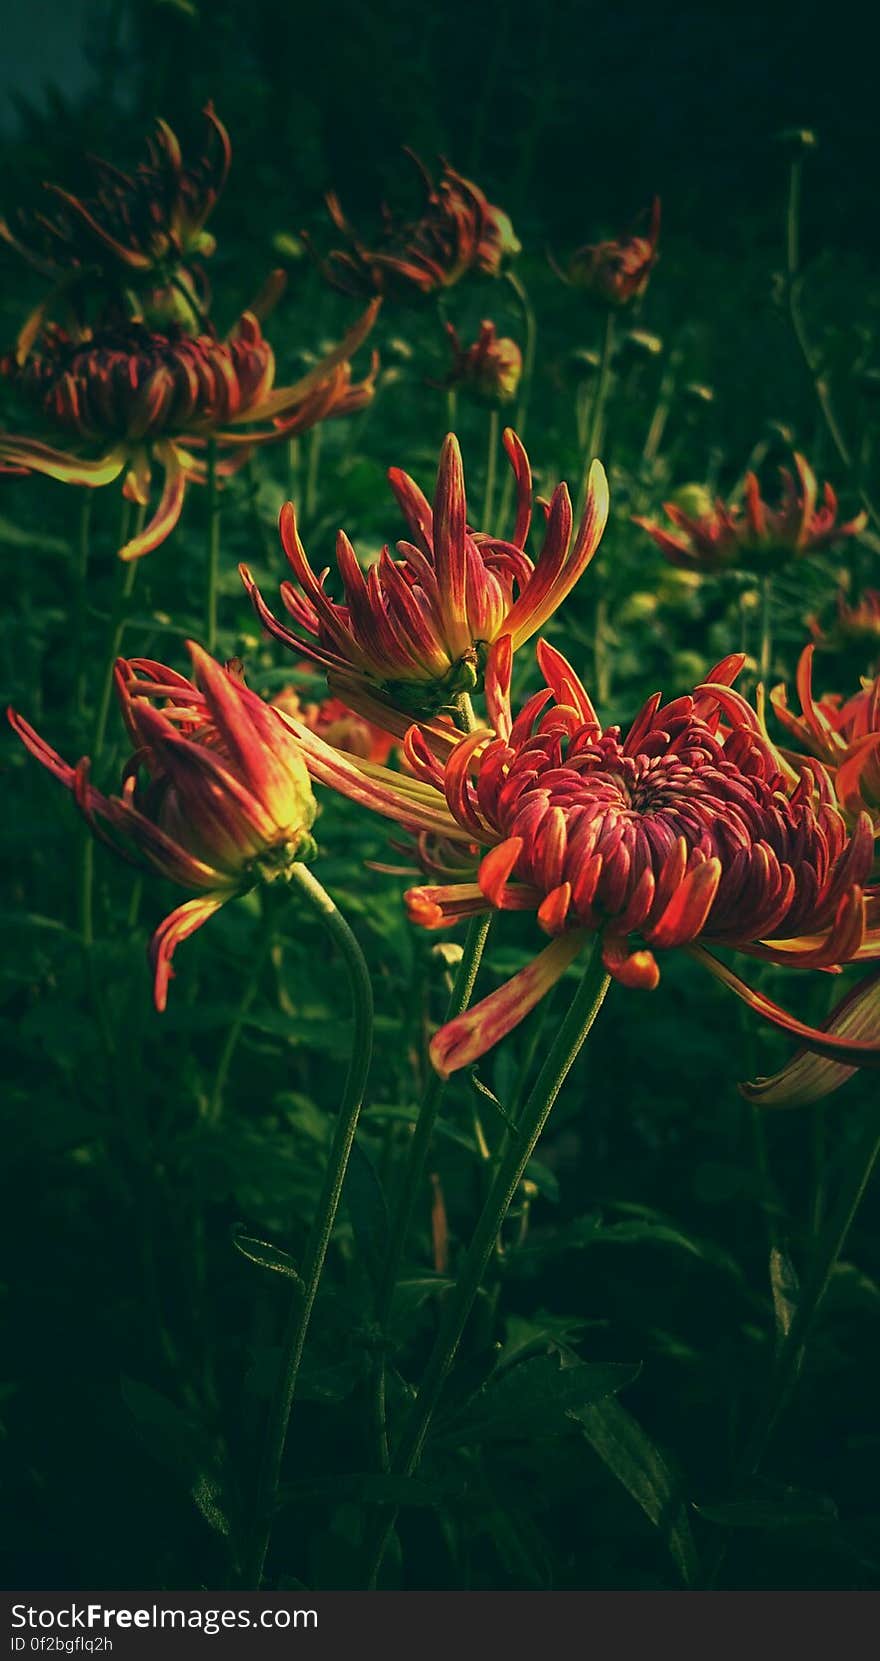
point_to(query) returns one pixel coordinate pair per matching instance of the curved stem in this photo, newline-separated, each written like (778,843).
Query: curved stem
(82,585)
(432,1101)
(325,1217)
(213,546)
(582,1012)
(765,662)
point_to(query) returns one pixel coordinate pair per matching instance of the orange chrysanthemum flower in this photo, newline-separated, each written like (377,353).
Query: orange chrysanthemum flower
(681,833)
(417,630)
(615,272)
(753,534)
(139,228)
(854,625)
(844,734)
(226,801)
(490,370)
(132,398)
(457,231)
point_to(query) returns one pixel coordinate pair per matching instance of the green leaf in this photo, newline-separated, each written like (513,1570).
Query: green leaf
(15,536)
(630,1455)
(267,1256)
(373,1488)
(541,1244)
(411,1293)
(545,1332)
(535,1397)
(772,1508)
(490,1096)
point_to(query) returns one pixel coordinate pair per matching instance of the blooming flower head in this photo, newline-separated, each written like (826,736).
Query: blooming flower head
(136,228)
(843,734)
(417,629)
(456,231)
(683,832)
(854,625)
(225,801)
(711,538)
(130,397)
(489,370)
(616,272)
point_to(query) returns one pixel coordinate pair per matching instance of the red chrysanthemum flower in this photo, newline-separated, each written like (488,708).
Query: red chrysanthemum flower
(681,833)
(616,272)
(751,533)
(489,371)
(136,228)
(456,231)
(132,397)
(854,625)
(417,629)
(844,734)
(227,801)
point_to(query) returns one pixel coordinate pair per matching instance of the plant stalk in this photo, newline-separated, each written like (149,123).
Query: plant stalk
(585,1005)
(322,1227)
(213,547)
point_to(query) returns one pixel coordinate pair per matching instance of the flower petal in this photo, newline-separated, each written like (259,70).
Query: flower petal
(809,1077)
(174,928)
(469,1036)
(168,511)
(858,1051)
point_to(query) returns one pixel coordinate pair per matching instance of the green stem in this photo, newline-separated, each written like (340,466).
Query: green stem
(213,547)
(293,469)
(82,585)
(214,1106)
(325,1217)
(601,669)
(451,409)
(119,618)
(414,1171)
(530,329)
(491,460)
(467,719)
(312,472)
(264,537)
(125,580)
(819,383)
(829,1246)
(765,663)
(530,335)
(790,1356)
(582,1012)
(459,999)
(597,413)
